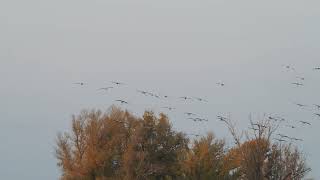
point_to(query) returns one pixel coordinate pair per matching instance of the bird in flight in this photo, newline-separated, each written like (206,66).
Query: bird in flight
(259,125)
(105,88)
(283,136)
(80,83)
(169,108)
(122,101)
(185,98)
(316,68)
(317,106)
(221,118)
(300,77)
(290,126)
(300,105)
(280,140)
(117,83)
(296,139)
(297,84)
(193,119)
(190,114)
(201,99)
(305,123)
(220,84)
(202,119)
(143,92)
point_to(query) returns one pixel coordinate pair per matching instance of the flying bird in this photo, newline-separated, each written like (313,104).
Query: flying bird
(297,84)
(305,123)
(317,106)
(80,83)
(122,101)
(280,140)
(300,77)
(117,83)
(201,99)
(300,105)
(221,118)
(316,68)
(105,88)
(190,114)
(185,98)
(296,139)
(143,92)
(290,126)
(169,108)
(283,136)
(220,84)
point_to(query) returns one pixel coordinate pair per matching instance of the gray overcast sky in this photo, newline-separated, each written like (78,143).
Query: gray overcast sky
(173,47)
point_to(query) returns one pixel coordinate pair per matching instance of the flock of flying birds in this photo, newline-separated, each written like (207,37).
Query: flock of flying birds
(194,117)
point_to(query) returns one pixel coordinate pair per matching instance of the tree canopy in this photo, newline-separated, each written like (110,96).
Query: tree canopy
(118,145)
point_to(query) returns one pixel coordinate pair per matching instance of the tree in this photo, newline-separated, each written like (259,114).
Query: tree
(204,161)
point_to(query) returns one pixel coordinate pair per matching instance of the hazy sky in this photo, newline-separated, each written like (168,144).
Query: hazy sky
(172,47)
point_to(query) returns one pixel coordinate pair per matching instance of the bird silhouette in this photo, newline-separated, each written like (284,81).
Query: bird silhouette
(297,84)
(296,139)
(280,140)
(80,83)
(316,68)
(200,99)
(283,136)
(169,108)
(220,84)
(117,83)
(317,106)
(105,88)
(290,126)
(143,92)
(305,123)
(185,98)
(190,114)
(122,101)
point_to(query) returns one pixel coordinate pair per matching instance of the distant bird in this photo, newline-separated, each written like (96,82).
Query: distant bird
(220,84)
(143,92)
(297,84)
(80,83)
(117,83)
(122,101)
(221,118)
(283,136)
(105,88)
(200,99)
(259,125)
(300,105)
(280,140)
(296,139)
(196,135)
(305,123)
(169,108)
(185,98)
(290,126)
(193,119)
(317,106)
(190,114)
(300,77)
(289,67)
(316,68)
(202,119)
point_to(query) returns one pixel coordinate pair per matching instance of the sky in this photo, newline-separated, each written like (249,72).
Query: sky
(177,48)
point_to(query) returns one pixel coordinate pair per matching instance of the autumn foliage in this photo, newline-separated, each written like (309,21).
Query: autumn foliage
(120,146)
